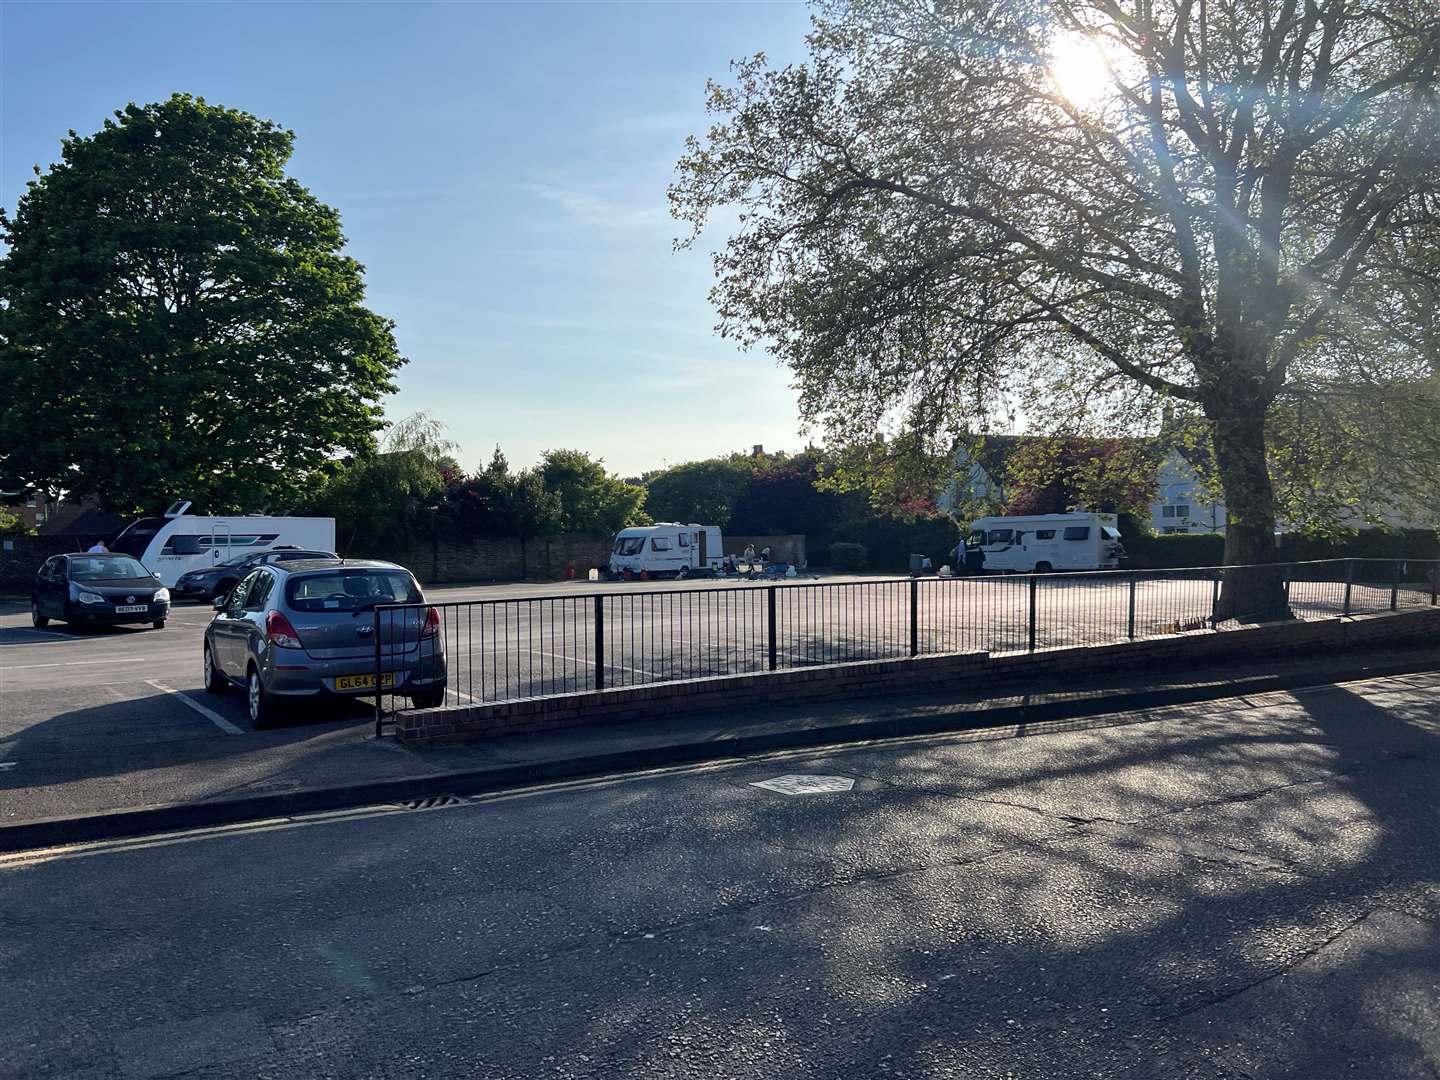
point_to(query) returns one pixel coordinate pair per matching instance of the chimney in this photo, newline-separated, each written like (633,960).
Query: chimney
(759,450)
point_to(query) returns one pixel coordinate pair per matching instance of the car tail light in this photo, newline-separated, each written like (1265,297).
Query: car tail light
(280,632)
(432,623)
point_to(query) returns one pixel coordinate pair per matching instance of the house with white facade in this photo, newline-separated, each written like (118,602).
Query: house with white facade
(1181,504)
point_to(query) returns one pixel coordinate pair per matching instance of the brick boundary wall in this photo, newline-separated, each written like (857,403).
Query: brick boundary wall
(950,671)
(25,555)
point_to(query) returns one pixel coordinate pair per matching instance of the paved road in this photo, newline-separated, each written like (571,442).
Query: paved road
(1248,890)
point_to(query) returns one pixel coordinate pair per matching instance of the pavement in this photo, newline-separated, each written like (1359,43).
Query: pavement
(1235,889)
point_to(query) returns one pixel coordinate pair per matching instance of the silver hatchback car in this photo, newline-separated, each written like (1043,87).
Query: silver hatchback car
(306,629)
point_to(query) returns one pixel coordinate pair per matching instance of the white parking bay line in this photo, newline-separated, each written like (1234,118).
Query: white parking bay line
(209,714)
(79,663)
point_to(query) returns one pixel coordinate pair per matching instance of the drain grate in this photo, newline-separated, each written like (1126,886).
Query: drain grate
(433,802)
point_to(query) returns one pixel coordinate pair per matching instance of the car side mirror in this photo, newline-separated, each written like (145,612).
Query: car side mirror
(219,603)
(155,574)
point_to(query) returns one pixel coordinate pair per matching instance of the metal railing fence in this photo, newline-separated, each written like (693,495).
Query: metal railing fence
(507,649)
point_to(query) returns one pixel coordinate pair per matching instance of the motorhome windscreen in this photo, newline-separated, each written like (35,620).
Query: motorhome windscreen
(629,545)
(136,536)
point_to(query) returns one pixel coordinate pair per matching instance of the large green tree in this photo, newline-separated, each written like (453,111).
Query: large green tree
(704,492)
(958,206)
(178,318)
(591,499)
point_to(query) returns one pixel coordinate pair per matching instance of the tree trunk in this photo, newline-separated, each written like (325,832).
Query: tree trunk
(1252,591)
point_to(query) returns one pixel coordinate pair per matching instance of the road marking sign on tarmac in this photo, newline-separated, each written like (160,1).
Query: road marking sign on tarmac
(209,714)
(801,784)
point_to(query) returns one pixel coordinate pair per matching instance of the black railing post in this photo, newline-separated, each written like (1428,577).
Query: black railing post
(770,625)
(1349,584)
(599,642)
(375,631)
(914,617)
(1034,584)
(1434,582)
(1134,577)
(1215,598)
(1395,586)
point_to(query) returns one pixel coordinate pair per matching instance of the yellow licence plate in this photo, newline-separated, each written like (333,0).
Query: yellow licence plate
(363,682)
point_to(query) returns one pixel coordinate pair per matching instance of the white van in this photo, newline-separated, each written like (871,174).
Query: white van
(1044,542)
(666,549)
(178,542)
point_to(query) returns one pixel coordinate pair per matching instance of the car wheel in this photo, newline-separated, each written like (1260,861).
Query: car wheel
(1043,568)
(262,708)
(158,624)
(36,619)
(684,573)
(431,697)
(215,682)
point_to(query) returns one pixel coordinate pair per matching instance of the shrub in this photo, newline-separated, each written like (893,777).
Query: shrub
(849,557)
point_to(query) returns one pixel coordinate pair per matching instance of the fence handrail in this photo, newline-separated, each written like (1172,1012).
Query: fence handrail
(603,639)
(782,583)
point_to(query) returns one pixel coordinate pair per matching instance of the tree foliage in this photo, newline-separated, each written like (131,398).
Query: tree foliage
(1059,474)
(936,228)
(591,499)
(704,492)
(383,501)
(179,318)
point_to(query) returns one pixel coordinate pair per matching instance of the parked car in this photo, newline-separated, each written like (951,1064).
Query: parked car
(100,589)
(292,631)
(211,581)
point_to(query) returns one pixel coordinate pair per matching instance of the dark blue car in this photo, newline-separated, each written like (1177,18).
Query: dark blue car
(98,589)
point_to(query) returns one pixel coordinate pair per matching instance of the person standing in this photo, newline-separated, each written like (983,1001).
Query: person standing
(749,556)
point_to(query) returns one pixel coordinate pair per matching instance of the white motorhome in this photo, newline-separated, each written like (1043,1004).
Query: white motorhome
(666,549)
(171,545)
(1044,542)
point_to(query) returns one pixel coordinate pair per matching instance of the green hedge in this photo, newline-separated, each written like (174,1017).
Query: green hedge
(1176,549)
(1208,549)
(891,542)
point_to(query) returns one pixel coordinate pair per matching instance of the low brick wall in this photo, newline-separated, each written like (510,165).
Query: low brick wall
(951,671)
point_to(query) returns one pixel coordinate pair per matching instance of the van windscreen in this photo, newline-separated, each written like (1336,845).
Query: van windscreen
(629,545)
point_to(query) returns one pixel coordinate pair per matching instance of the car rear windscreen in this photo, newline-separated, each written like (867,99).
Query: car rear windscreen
(350,590)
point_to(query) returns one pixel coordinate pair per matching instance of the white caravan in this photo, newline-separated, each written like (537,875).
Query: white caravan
(171,545)
(667,549)
(1044,542)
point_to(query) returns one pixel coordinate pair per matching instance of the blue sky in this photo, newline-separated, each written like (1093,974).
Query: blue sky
(500,170)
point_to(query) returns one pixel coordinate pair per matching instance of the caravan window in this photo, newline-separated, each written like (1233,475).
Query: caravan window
(1078,532)
(659,543)
(1001,536)
(629,545)
(1109,533)
(1044,534)
(684,539)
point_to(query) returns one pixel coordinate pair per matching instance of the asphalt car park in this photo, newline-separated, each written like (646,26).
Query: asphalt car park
(118,716)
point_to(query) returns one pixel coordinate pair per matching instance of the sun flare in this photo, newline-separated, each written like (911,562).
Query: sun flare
(1078,69)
